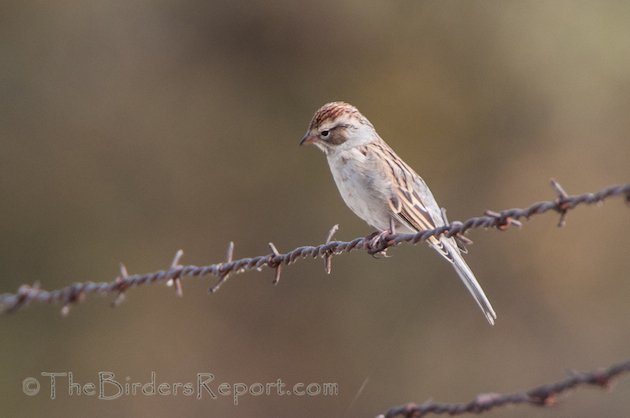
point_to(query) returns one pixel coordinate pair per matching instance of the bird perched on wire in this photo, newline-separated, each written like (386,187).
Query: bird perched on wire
(381,188)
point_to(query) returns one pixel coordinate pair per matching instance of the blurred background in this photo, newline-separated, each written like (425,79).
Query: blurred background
(131,129)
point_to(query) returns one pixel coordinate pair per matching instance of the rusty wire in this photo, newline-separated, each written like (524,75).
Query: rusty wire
(545,395)
(67,296)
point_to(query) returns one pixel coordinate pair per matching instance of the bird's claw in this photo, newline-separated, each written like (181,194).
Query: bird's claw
(376,244)
(380,254)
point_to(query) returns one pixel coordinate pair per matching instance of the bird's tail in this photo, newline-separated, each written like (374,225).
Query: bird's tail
(468,278)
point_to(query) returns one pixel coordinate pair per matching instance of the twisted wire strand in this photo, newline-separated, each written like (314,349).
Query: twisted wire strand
(67,296)
(545,395)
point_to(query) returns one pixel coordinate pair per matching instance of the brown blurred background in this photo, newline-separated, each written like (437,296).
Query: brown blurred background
(131,129)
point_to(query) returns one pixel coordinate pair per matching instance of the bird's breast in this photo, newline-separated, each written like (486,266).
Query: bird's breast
(362,188)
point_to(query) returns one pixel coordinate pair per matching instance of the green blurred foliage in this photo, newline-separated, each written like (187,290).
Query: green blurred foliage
(131,129)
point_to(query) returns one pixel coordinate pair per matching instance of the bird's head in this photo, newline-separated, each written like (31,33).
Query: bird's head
(338,125)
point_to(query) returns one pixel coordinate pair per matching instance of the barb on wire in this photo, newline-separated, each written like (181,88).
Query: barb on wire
(121,281)
(176,280)
(561,201)
(278,266)
(328,256)
(224,270)
(545,395)
(373,244)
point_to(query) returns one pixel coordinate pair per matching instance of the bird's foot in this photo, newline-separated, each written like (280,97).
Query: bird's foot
(377,244)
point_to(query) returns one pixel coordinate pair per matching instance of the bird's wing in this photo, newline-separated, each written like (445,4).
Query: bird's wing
(411,201)
(413,205)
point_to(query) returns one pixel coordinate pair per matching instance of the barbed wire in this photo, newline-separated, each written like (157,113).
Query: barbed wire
(374,244)
(545,395)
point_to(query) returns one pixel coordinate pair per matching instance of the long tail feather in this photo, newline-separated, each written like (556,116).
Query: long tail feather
(469,280)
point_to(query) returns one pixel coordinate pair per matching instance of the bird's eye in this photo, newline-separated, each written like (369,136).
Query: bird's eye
(324,133)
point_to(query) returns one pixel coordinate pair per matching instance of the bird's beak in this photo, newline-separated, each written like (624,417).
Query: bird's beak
(308,139)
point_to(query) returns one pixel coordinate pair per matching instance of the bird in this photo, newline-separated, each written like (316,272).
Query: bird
(383,190)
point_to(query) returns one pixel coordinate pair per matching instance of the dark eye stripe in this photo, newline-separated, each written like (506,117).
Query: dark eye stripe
(334,135)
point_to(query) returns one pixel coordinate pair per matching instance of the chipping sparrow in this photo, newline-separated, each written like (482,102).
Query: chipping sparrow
(380,187)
